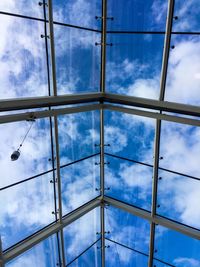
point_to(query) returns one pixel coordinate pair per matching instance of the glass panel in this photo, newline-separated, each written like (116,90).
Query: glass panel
(177,196)
(23,7)
(45,254)
(78,12)
(129,182)
(134,64)
(184,59)
(143,15)
(176,249)
(22,58)
(25,209)
(90,258)
(127,229)
(117,256)
(80,183)
(129,136)
(180,148)
(81,234)
(177,193)
(35,153)
(78,134)
(77,60)
(186,15)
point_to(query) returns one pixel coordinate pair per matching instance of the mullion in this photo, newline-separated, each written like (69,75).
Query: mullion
(45,20)
(77,257)
(43,173)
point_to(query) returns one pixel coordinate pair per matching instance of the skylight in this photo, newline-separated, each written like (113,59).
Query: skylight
(99,133)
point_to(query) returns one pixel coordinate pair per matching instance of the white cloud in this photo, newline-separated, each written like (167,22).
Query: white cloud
(116,137)
(180,148)
(188,15)
(183,82)
(187,262)
(159,10)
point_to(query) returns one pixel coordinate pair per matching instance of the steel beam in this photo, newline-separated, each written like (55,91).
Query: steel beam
(49,231)
(70,110)
(51,101)
(56,136)
(47,113)
(102,89)
(1,254)
(48,101)
(178,227)
(165,60)
(153,115)
(152,104)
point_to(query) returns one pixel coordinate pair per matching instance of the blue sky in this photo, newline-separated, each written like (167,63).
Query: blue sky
(133,67)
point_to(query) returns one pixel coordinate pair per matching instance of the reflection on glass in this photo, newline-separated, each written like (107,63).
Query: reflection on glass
(186,16)
(90,258)
(77,60)
(184,59)
(22,58)
(80,183)
(129,136)
(23,7)
(134,64)
(78,135)
(179,149)
(25,209)
(45,254)
(78,12)
(81,234)
(175,248)
(176,198)
(178,194)
(143,15)
(129,182)
(117,256)
(35,153)
(127,229)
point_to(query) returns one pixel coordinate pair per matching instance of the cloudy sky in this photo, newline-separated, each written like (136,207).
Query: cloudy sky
(133,68)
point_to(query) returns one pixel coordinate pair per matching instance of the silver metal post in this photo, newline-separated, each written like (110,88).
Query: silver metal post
(158,128)
(103,82)
(59,191)
(1,254)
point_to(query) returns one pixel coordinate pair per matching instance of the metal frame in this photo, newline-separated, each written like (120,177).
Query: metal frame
(49,231)
(158,129)
(105,101)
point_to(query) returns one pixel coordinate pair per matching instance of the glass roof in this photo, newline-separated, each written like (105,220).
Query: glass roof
(99,133)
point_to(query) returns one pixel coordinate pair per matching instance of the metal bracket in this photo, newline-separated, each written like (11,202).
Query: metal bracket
(44,36)
(108,44)
(100,145)
(53,181)
(104,247)
(98,163)
(55,212)
(99,189)
(99,17)
(41,4)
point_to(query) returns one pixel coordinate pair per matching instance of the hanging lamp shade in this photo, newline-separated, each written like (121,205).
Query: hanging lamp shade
(15,155)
